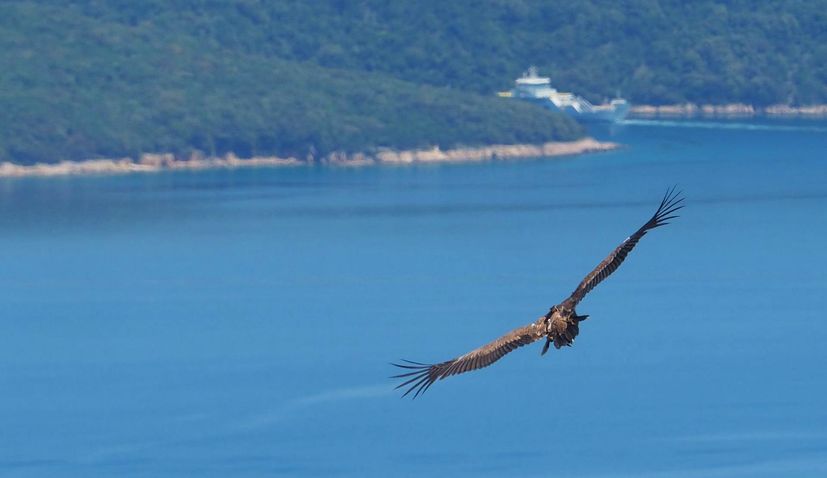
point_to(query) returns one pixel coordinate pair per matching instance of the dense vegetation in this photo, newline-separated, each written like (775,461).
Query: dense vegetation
(77,85)
(94,77)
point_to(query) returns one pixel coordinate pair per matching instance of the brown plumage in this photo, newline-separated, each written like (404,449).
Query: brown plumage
(559,326)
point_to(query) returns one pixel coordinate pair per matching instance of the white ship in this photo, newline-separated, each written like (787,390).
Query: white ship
(537,89)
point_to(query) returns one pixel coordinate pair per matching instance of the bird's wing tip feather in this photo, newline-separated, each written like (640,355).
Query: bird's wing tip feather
(421,376)
(672,202)
(419,379)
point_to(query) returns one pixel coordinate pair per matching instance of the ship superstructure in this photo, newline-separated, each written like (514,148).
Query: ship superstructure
(538,89)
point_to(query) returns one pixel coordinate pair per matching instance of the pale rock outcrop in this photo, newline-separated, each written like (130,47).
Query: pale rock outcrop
(152,162)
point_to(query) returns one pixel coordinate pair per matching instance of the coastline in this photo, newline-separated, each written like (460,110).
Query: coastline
(731,110)
(149,163)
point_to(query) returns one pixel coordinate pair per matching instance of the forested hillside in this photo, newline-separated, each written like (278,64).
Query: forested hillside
(77,85)
(91,77)
(655,51)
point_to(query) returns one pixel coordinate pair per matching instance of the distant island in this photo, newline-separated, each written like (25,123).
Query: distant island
(288,78)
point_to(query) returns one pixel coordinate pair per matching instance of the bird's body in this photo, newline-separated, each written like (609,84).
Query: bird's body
(559,326)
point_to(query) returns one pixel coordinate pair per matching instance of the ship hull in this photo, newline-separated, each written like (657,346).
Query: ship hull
(604,114)
(608,113)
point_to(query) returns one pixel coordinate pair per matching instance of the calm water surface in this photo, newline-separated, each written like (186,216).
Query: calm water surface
(240,323)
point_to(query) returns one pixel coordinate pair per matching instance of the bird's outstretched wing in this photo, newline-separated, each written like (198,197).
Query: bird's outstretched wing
(421,376)
(668,206)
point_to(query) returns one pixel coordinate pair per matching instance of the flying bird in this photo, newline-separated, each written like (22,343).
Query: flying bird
(559,326)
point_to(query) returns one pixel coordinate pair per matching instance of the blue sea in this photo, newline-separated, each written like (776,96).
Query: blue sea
(241,323)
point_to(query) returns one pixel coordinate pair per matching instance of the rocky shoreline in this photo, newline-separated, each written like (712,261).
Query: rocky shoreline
(732,110)
(148,163)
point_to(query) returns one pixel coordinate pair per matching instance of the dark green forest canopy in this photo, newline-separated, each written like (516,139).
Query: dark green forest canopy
(654,51)
(103,78)
(81,82)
